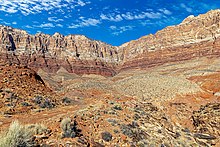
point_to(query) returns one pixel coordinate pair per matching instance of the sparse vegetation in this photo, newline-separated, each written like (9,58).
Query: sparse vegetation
(12,99)
(113,122)
(17,135)
(67,101)
(43,102)
(126,130)
(117,107)
(134,108)
(69,128)
(38,129)
(106,136)
(25,104)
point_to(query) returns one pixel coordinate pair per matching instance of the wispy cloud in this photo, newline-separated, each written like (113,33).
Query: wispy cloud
(188,9)
(27,7)
(142,15)
(165,11)
(82,3)
(14,22)
(45,25)
(59,25)
(147,23)
(54,19)
(85,23)
(135,15)
(111,17)
(6,23)
(28,26)
(119,30)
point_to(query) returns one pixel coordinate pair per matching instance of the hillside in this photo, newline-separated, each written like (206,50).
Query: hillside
(194,37)
(159,90)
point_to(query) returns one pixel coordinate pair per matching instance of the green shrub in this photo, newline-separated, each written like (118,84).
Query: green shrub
(106,136)
(67,101)
(44,102)
(69,128)
(117,107)
(38,129)
(17,135)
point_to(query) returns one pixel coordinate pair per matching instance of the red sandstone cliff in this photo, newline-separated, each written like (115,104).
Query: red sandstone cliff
(75,53)
(194,37)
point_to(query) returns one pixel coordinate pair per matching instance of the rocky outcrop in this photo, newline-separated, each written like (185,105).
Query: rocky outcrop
(75,53)
(194,37)
(206,123)
(22,89)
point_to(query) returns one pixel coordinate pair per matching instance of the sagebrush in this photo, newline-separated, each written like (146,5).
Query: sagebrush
(17,135)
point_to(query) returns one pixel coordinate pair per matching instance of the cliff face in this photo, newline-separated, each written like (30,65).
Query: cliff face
(75,53)
(194,37)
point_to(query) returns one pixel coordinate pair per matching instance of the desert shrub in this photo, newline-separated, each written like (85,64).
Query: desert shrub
(38,99)
(47,104)
(106,136)
(143,143)
(116,131)
(69,128)
(43,102)
(67,100)
(17,136)
(38,129)
(25,104)
(12,99)
(117,107)
(126,130)
(113,122)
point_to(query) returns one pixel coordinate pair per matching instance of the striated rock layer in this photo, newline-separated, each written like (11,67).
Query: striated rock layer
(75,53)
(194,37)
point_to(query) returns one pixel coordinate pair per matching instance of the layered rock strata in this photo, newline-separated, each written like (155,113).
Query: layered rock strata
(194,37)
(75,53)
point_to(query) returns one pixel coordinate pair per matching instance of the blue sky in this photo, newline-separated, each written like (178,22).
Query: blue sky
(112,21)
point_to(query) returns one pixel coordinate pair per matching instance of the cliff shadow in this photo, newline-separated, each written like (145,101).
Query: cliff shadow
(12,46)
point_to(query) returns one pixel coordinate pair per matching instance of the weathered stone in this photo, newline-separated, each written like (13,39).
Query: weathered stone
(75,53)
(204,136)
(206,120)
(194,37)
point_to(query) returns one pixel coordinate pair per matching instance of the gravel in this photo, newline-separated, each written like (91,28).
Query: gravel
(153,86)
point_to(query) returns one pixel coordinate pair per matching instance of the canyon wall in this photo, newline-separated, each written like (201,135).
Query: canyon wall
(76,53)
(194,37)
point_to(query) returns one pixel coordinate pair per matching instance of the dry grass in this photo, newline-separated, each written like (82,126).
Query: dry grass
(19,135)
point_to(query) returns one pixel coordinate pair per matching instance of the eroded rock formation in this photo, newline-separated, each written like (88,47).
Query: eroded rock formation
(194,37)
(75,53)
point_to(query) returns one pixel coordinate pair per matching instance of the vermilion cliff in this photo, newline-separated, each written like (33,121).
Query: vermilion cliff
(194,37)
(75,53)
